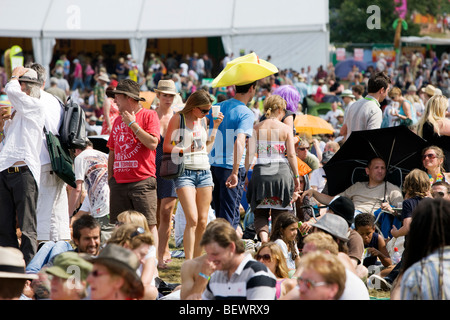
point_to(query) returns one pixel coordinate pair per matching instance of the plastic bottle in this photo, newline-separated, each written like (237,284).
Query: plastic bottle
(197,134)
(270,225)
(396,257)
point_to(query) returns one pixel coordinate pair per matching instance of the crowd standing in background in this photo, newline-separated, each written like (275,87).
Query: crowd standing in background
(263,249)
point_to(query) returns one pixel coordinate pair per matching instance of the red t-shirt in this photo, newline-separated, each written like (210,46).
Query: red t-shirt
(133,161)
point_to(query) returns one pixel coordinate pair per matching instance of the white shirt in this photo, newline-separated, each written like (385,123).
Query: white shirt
(23,134)
(52,120)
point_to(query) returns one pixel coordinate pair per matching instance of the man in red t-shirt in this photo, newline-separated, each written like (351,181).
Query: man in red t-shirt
(131,164)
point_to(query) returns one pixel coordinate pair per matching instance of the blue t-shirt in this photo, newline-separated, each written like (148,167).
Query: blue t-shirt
(238,118)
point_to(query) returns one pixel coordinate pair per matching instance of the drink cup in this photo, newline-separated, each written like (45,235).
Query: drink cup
(215,112)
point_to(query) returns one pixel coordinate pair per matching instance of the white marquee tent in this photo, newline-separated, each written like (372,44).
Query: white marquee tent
(293,32)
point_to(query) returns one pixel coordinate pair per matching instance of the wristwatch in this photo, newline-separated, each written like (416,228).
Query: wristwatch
(14,77)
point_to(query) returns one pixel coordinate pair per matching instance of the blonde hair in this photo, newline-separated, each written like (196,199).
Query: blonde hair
(328,266)
(199,98)
(395,92)
(322,242)
(439,154)
(434,110)
(134,217)
(273,103)
(281,268)
(127,234)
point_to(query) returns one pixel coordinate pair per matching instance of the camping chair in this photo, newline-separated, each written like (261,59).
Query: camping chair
(384,220)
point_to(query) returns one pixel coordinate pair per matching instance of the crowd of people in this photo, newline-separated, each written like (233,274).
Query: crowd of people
(299,242)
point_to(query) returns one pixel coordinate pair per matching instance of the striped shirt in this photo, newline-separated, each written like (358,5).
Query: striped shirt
(251,281)
(428,279)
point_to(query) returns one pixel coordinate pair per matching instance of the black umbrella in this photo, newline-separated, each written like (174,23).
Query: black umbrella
(398,146)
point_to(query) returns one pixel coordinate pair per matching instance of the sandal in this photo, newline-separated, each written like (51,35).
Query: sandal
(162,266)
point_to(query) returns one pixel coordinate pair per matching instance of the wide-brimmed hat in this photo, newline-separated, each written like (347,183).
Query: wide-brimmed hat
(167,87)
(104,77)
(64,264)
(334,225)
(117,257)
(347,93)
(30,76)
(12,264)
(412,88)
(343,207)
(429,90)
(244,70)
(127,87)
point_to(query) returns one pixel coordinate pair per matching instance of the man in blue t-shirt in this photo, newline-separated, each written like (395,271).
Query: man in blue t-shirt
(228,154)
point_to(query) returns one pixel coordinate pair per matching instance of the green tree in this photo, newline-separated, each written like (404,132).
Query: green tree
(349,22)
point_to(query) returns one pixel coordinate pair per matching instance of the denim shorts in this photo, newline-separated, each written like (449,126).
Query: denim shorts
(194,178)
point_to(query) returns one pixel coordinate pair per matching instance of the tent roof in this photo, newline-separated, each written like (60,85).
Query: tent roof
(114,19)
(426,40)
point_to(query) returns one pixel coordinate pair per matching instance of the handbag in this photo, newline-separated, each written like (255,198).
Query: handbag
(170,169)
(62,163)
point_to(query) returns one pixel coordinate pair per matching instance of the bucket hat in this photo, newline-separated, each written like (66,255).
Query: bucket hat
(104,77)
(348,93)
(64,262)
(12,264)
(334,225)
(127,87)
(167,87)
(244,70)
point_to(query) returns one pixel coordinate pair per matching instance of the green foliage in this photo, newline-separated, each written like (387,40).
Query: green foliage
(348,22)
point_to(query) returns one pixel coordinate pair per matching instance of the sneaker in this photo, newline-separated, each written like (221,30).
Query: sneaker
(177,254)
(378,283)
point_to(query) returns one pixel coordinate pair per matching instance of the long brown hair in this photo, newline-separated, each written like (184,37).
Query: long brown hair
(199,98)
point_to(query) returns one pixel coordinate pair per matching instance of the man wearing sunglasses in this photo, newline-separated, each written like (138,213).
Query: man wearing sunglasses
(440,189)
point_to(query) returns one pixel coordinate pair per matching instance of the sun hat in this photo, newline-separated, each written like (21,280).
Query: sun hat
(103,77)
(127,87)
(343,207)
(30,76)
(347,93)
(412,88)
(69,264)
(334,225)
(118,257)
(12,264)
(244,70)
(429,89)
(167,87)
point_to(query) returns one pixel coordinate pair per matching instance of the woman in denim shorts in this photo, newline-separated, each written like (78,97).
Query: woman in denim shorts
(194,187)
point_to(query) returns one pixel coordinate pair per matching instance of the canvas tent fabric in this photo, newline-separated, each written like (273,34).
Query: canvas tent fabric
(294,33)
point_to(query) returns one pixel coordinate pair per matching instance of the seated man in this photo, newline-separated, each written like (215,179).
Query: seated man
(367,196)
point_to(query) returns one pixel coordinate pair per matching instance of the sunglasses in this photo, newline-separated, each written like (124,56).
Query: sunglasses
(310,283)
(264,257)
(438,194)
(429,156)
(97,273)
(302,149)
(138,231)
(204,111)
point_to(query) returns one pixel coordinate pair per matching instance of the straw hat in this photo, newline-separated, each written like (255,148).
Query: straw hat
(30,76)
(12,264)
(412,88)
(347,93)
(127,87)
(167,87)
(244,70)
(104,77)
(429,90)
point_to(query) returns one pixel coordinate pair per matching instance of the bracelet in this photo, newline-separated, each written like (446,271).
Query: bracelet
(296,176)
(131,123)
(204,276)
(137,131)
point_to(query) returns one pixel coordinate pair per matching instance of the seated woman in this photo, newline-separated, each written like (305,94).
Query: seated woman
(433,162)
(271,255)
(275,178)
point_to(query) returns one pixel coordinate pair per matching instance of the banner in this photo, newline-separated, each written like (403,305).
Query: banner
(340,54)
(358,54)
(16,56)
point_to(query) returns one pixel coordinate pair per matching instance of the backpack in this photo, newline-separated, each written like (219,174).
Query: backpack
(72,132)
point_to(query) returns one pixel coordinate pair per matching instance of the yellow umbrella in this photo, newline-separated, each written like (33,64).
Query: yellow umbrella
(307,123)
(244,70)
